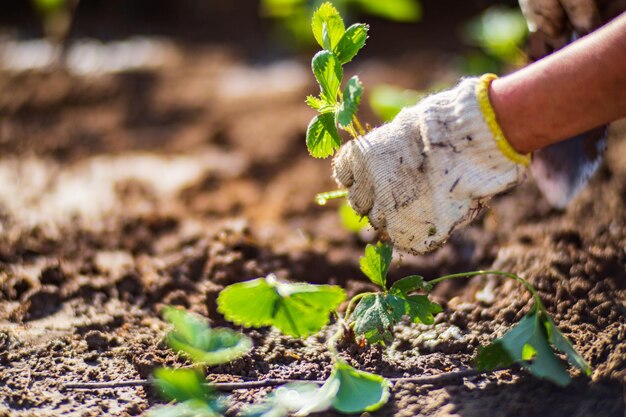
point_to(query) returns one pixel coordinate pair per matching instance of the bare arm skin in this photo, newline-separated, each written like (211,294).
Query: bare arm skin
(574,90)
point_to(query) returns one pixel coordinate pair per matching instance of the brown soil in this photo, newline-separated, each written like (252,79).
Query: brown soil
(121,194)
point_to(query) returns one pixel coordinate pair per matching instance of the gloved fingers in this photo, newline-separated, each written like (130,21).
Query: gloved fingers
(342,166)
(582,14)
(361,195)
(350,170)
(377,218)
(546,16)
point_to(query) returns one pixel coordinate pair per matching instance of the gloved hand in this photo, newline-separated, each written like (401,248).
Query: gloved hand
(432,168)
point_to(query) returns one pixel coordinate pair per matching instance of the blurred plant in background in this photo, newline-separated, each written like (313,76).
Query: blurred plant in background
(499,33)
(293,16)
(56,16)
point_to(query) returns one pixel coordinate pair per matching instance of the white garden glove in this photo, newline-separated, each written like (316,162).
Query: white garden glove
(432,168)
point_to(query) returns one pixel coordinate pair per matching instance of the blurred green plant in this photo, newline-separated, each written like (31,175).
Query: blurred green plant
(387,100)
(192,337)
(56,16)
(352,220)
(498,32)
(292,16)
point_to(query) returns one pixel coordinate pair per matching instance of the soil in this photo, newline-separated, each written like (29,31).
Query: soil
(120,194)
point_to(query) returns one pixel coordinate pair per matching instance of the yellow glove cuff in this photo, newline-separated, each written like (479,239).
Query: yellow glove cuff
(482,94)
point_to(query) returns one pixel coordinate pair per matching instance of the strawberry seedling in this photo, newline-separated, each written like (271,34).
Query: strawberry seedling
(377,313)
(335,107)
(192,336)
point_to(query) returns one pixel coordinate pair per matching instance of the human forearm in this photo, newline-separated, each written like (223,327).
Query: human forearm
(574,90)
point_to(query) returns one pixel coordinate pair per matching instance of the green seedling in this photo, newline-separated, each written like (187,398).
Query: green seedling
(335,107)
(193,337)
(530,343)
(292,16)
(377,313)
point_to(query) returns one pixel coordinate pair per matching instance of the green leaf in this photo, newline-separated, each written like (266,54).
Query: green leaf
(302,399)
(298,310)
(320,105)
(183,384)
(328,73)
(420,309)
(358,391)
(327,26)
(193,337)
(375,316)
(558,340)
(350,219)
(528,344)
(408,284)
(351,42)
(351,100)
(375,263)
(347,390)
(299,399)
(493,356)
(322,137)
(397,10)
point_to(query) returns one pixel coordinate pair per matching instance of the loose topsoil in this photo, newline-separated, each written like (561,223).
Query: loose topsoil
(120,194)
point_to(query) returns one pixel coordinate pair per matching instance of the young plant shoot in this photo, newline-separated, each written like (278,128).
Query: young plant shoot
(377,313)
(335,107)
(192,337)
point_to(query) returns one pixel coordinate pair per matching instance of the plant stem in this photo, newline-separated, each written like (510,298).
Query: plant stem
(332,341)
(525,283)
(352,302)
(355,120)
(351,129)
(322,198)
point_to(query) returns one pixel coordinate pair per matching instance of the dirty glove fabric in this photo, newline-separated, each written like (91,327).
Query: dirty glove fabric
(432,168)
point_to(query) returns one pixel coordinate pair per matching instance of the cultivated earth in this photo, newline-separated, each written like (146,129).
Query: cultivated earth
(120,194)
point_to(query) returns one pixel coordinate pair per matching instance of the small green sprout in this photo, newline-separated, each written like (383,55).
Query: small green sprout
(292,16)
(377,313)
(298,310)
(194,338)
